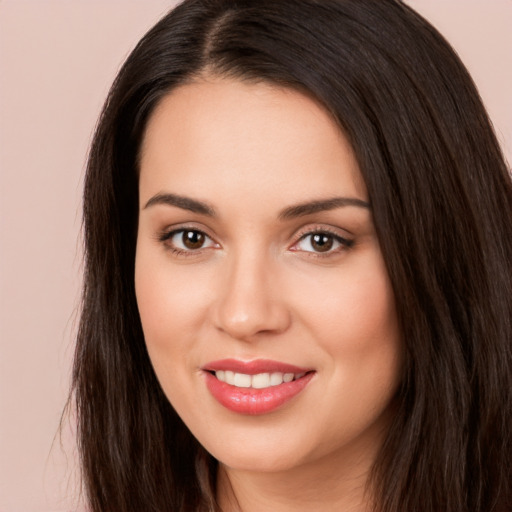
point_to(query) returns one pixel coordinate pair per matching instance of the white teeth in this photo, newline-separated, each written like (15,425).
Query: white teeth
(258,381)
(242,381)
(276,379)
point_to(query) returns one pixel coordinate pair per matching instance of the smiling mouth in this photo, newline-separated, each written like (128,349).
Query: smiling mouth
(255,387)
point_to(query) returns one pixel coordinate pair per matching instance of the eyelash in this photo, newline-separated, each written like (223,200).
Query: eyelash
(344,243)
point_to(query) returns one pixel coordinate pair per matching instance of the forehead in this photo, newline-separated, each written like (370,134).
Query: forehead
(228,137)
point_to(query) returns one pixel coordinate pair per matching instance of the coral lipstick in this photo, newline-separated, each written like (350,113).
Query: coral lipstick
(254,387)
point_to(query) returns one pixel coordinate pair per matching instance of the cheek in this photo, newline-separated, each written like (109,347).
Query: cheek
(356,327)
(172,306)
(352,318)
(352,309)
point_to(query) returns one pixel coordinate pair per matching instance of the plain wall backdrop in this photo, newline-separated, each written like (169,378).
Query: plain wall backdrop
(57,60)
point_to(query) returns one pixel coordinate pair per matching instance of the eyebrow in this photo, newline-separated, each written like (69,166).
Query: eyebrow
(321,205)
(185,203)
(291,212)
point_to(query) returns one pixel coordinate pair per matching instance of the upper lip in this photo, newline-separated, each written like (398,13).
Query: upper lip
(253,367)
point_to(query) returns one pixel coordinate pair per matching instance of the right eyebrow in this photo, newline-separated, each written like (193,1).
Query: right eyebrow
(185,203)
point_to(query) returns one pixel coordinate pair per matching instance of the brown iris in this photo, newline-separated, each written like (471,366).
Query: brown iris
(193,239)
(321,242)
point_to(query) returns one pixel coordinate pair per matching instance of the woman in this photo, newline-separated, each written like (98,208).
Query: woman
(298,287)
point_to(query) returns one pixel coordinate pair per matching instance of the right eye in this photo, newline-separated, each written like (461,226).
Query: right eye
(187,240)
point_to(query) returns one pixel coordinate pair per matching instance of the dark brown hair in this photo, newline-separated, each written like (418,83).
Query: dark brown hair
(441,199)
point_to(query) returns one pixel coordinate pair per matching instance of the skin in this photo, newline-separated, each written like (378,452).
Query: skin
(258,288)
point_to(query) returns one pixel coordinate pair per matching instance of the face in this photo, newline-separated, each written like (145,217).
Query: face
(265,302)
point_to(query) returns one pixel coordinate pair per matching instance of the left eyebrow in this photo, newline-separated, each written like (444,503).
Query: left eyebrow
(321,205)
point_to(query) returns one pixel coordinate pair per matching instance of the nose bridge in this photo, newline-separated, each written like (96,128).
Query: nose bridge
(249,302)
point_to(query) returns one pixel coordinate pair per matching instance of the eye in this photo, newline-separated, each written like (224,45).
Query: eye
(187,240)
(322,242)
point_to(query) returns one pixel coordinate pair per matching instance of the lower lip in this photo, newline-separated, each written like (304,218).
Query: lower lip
(255,401)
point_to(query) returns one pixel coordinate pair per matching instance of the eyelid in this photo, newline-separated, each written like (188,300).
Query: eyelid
(322,228)
(168,230)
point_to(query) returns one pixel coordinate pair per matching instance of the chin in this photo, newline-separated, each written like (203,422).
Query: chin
(263,453)
(258,462)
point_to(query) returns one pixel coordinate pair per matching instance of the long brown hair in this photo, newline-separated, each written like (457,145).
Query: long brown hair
(441,198)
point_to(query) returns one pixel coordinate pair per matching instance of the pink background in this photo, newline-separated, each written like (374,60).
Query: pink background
(57,60)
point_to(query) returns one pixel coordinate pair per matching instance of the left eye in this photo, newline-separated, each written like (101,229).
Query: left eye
(321,242)
(189,240)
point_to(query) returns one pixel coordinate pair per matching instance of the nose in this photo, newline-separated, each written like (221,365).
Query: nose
(249,302)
